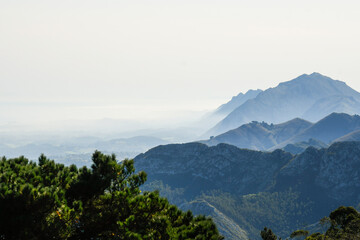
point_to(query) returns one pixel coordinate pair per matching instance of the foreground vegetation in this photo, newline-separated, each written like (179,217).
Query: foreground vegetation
(343,223)
(52,201)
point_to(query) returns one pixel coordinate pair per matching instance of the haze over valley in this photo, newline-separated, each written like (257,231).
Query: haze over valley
(317,97)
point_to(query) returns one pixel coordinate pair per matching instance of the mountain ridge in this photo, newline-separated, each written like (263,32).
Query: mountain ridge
(327,130)
(260,135)
(311,183)
(236,101)
(268,137)
(277,104)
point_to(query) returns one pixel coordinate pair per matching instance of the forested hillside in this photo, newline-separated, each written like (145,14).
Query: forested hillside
(246,190)
(46,200)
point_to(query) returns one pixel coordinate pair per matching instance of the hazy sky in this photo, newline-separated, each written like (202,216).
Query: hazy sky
(79,59)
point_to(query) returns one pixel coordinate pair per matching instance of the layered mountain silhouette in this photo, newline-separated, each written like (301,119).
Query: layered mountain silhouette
(300,147)
(329,129)
(311,97)
(246,190)
(284,157)
(260,135)
(294,135)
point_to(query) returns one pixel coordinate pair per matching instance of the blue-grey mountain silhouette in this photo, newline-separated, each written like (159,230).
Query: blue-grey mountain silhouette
(294,135)
(311,97)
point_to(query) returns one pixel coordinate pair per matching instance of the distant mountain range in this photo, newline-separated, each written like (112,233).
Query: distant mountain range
(264,136)
(260,135)
(245,190)
(235,102)
(310,97)
(330,129)
(283,158)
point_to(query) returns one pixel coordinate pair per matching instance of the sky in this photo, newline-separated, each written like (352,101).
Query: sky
(151,60)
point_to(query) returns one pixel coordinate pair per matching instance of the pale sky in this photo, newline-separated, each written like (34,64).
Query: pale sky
(87,59)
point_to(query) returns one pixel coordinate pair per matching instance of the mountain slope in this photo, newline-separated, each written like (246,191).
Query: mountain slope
(289,100)
(328,105)
(213,117)
(293,136)
(260,136)
(229,229)
(204,168)
(327,129)
(256,189)
(334,170)
(299,147)
(236,101)
(353,136)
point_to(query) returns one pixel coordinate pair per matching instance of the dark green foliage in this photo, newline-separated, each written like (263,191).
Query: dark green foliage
(267,234)
(30,195)
(52,201)
(299,234)
(344,224)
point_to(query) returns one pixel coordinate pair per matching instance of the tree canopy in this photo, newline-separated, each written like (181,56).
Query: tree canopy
(344,223)
(47,200)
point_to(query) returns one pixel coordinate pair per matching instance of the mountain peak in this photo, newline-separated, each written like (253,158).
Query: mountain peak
(337,115)
(313,77)
(316,74)
(302,97)
(253,91)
